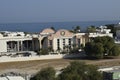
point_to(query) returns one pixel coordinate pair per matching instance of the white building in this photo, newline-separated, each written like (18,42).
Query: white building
(17,41)
(100,32)
(12,78)
(118,35)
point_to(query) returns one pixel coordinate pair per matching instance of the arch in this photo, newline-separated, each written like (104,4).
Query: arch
(47,31)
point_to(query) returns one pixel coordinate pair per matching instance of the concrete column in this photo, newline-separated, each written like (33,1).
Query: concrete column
(27,44)
(33,45)
(11,44)
(40,45)
(15,47)
(21,45)
(18,46)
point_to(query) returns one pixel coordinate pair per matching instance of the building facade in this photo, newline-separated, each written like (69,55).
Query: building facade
(62,40)
(17,41)
(47,39)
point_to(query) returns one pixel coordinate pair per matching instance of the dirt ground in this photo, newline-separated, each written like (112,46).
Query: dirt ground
(31,67)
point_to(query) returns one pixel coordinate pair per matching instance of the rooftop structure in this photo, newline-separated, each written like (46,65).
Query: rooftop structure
(12,78)
(111,73)
(17,41)
(47,31)
(12,34)
(101,31)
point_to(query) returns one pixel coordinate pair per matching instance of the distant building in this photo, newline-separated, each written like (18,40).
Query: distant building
(17,41)
(118,35)
(100,32)
(112,73)
(12,78)
(60,40)
(117,38)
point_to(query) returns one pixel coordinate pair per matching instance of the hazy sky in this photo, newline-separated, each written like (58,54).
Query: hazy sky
(58,10)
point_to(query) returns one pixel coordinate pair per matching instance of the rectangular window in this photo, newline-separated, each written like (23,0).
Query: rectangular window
(58,44)
(63,43)
(78,42)
(50,42)
(69,41)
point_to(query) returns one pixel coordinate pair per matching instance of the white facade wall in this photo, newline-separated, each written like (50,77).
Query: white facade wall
(100,35)
(4,40)
(12,78)
(55,43)
(42,57)
(3,46)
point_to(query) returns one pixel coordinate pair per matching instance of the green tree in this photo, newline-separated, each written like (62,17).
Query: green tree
(104,40)
(76,29)
(44,52)
(98,50)
(101,46)
(91,29)
(80,71)
(115,51)
(74,48)
(93,74)
(95,50)
(50,49)
(45,74)
(52,28)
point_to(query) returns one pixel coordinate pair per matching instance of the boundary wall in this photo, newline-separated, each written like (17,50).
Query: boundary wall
(41,57)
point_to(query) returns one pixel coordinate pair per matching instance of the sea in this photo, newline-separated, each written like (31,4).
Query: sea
(39,26)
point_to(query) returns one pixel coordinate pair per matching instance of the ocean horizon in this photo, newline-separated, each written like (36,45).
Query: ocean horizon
(36,27)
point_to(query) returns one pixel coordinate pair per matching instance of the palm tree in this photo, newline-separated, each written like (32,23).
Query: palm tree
(77,29)
(91,29)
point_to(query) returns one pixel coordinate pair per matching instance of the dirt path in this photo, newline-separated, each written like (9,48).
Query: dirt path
(31,67)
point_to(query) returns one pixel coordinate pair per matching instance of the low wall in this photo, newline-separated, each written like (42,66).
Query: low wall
(42,57)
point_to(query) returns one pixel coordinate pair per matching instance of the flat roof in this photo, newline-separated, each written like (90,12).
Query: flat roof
(110,69)
(12,78)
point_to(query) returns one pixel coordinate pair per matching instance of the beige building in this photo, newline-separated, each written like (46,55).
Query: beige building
(62,39)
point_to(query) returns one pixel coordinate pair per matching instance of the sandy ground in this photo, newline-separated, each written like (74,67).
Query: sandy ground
(31,67)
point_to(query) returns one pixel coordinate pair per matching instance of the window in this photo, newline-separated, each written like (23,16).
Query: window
(50,42)
(69,42)
(58,44)
(63,43)
(78,42)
